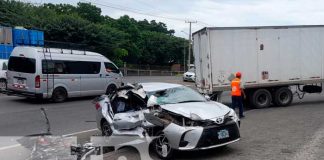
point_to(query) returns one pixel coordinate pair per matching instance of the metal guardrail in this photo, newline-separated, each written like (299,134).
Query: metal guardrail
(138,72)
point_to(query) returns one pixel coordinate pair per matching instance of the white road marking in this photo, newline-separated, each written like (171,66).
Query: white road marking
(75,133)
(9,147)
(310,149)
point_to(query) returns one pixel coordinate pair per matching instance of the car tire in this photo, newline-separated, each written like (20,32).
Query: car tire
(261,98)
(105,129)
(127,153)
(3,84)
(162,146)
(111,89)
(59,95)
(283,96)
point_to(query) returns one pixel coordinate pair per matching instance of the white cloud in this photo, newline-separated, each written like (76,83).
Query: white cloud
(218,12)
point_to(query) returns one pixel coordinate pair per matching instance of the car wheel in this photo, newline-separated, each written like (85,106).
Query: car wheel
(283,96)
(106,129)
(261,98)
(127,153)
(3,84)
(111,89)
(59,95)
(162,147)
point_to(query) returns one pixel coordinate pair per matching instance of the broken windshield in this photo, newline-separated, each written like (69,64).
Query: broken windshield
(178,95)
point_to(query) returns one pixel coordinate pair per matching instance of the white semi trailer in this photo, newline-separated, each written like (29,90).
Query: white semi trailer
(272,60)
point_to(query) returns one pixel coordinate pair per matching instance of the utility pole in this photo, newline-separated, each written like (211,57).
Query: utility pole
(190,40)
(184,56)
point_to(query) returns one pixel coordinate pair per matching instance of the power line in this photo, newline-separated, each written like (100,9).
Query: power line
(134,11)
(141,12)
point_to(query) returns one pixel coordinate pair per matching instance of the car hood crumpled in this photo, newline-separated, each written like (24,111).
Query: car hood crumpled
(205,110)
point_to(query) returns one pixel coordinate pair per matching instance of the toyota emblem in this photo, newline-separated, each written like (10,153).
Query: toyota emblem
(219,120)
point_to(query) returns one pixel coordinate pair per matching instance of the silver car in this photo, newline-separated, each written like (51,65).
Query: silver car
(178,117)
(190,75)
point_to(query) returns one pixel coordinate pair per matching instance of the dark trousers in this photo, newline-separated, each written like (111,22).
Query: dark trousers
(237,101)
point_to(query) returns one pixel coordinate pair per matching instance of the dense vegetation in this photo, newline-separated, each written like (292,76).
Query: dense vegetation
(122,40)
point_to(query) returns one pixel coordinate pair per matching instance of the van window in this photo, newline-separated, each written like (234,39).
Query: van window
(111,67)
(4,66)
(70,67)
(22,64)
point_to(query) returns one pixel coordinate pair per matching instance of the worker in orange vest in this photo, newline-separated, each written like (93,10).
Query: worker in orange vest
(237,93)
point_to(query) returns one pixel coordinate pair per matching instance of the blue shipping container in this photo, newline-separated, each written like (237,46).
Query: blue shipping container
(36,38)
(5,51)
(9,49)
(21,37)
(40,38)
(2,52)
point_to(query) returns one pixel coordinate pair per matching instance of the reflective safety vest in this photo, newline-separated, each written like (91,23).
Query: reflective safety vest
(236,87)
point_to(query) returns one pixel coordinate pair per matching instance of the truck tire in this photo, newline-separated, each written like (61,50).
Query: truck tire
(261,98)
(283,96)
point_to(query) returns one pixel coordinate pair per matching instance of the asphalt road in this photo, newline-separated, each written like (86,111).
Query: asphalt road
(294,132)
(20,116)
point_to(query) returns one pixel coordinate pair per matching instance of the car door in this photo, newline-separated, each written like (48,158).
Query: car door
(113,75)
(92,79)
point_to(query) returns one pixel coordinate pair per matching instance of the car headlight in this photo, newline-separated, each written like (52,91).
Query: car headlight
(233,115)
(195,117)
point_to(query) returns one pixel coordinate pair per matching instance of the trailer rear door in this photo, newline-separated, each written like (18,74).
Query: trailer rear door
(202,62)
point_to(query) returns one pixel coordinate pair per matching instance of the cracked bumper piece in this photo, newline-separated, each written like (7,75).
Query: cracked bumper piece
(196,138)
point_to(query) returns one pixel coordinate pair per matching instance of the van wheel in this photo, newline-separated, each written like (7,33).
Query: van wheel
(111,89)
(283,96)
(59,95)
(261,98)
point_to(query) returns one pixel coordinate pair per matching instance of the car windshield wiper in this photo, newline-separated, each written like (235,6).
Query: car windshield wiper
(191,101)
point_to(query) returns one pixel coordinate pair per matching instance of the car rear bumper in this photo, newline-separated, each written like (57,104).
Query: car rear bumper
(24,93)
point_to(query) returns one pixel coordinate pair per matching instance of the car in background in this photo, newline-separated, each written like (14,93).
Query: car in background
(190,75)
(174,116)
(58,74)
(3,70)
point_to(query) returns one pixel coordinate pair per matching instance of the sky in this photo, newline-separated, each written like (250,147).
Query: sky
(211,13)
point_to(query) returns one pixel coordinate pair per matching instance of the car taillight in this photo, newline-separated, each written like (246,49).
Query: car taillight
(37,81)
(97,106)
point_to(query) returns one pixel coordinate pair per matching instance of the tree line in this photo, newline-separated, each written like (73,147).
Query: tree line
(122,40)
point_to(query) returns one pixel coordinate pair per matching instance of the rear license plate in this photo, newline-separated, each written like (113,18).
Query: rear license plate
(21,81)
(222,134)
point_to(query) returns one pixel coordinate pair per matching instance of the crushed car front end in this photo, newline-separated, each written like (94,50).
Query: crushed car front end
(184,133)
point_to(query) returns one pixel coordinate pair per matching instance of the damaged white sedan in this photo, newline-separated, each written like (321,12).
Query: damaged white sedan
(175,116)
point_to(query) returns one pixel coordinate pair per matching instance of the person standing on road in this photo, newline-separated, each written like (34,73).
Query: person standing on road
(237,93)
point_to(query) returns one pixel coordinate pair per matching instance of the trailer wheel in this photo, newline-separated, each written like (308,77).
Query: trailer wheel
(261,98)
(283,96)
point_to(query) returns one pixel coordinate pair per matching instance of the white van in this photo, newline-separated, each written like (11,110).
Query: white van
(60,73)
(3,70)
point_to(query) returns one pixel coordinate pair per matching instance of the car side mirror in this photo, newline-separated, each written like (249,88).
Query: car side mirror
(207,97)
(152,101)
